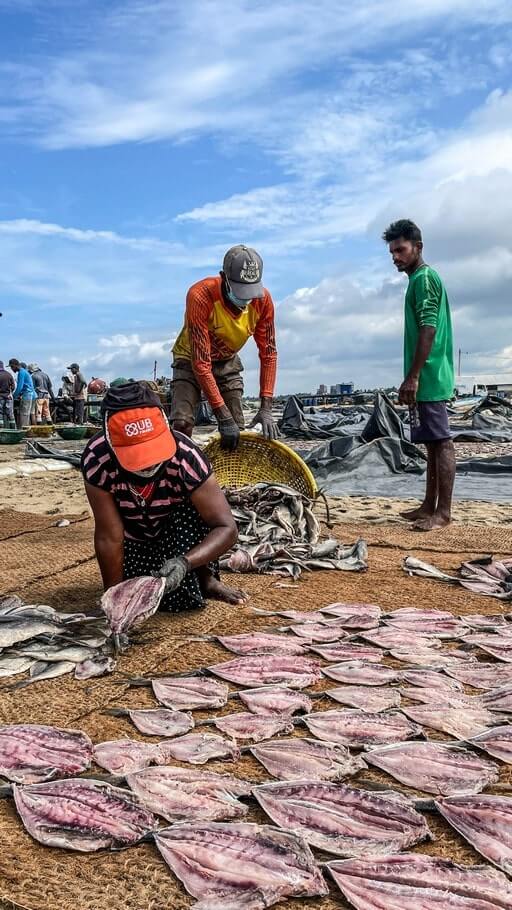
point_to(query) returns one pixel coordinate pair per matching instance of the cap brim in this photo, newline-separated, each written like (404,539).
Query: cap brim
(145,454)
(245,291)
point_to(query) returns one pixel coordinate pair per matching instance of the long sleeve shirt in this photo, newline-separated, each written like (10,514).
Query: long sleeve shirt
(42,384)
(24,386)
(7,385)
(213,332)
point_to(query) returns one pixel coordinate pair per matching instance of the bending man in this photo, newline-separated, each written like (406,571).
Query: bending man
(221,314)
(428,369)
(157,506)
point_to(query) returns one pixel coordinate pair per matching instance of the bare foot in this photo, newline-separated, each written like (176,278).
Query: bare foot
(433,523)
(213,589)
(414,514)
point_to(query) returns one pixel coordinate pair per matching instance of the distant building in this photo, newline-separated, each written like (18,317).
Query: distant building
(322,390)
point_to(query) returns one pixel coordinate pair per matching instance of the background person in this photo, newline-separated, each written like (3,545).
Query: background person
(7,386)
(24,393)
(79,393)
(44,392)
(157,506)
(221,314)
(428,369)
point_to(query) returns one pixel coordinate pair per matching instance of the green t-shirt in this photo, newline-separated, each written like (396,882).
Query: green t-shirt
(426,303)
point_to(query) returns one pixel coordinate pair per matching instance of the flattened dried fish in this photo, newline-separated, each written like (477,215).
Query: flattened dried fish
(190,692)
(287,670)
(486,822)
(30,753)
(481,675)
(130,603)
(299,759)
(314,631)
(198,748)
(461,722)
(429,679)
(423,656)
(348,651)
(496,742)
(389,637)
(82,815)
(259,643)
(359,729)
(359,673)
(252,727)
(435,767)
(436,623)
(372,699)
(161,721)
(275,700)
(185,794)
(341,819)
(498,646)
(124,756)
(240,865)
(414,881)
(354,615)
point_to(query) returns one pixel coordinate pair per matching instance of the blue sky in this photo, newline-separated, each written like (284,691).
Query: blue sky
(142,139)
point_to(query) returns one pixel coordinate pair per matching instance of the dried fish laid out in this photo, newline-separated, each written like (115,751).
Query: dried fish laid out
(32,753)
(430,679)
(498,646)
(82,815)
(300,759)
(423,656)
(481,576)
(256,643)
(481,675)
(279,534)
(372,699)
(270,669)
(318,632)
(388,637)
(436,623)
(240,865)
(360,673)
(486,822)
(359,729)
(293,615)
(496,742)
(126,756)
(189,692)
(434,767)
(415,881)
(349,651)
(461,721)
(275,700)
(342,820)
(185,794)
(157,721)
(130,603)
(251,727)
(354,615)
(498,700)
(198,748)
(480,622)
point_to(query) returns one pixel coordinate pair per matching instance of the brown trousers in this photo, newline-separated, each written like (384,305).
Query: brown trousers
(186,391)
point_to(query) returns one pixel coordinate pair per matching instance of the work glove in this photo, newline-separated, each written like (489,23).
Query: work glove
(269,428)
(174,571)
(229,433)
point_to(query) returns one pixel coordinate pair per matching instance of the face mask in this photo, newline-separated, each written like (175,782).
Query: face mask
(240,304)
(141,478)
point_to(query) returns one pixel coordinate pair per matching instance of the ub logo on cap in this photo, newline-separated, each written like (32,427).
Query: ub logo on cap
(243,268)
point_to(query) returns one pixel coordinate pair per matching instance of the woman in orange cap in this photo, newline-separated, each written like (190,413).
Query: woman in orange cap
(157,506)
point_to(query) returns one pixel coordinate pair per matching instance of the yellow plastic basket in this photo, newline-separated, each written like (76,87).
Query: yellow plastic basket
(259,460)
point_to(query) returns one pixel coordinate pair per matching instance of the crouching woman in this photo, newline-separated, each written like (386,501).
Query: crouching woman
(157,506)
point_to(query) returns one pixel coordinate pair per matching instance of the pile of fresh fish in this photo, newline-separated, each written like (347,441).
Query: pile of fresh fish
(82,814)
(492,578)
(279,534)
(342,820)
(410,881)
(241,865)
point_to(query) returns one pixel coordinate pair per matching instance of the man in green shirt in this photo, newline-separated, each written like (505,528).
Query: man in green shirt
(428,369)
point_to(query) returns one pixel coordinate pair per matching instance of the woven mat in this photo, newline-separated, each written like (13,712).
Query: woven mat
(38,878)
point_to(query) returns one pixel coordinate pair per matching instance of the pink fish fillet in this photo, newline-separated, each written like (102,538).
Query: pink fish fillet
(321,632)
(435,767)
(188,794)
(359,729)
(484,821)
(275,700)
(253,727)
(298,759)
(82,815)
(341,819)
(360,673)
(415,881)
(481,675)
(496,742)
(130,603)
(260,643)
(430,679)
(224,864)
(461,721)
(161,721)
(190,692)
(372,699)
(355,615)
(30,753)
(348,651)
(124,756)
(269,669)
(388,637)
(197,748)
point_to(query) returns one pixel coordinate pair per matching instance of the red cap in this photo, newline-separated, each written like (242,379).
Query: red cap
(140,438)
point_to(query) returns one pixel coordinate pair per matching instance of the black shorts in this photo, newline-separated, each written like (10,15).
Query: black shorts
(429,421)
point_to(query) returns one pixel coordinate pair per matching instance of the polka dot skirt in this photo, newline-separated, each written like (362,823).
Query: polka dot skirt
(183,530)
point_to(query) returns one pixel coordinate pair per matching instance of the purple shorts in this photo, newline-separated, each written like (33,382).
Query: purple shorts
(429,421)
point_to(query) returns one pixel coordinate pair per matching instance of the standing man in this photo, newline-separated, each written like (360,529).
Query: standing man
(428,369)
(7,386)
(79,393)
(44,391)
(24,392)
(221,314)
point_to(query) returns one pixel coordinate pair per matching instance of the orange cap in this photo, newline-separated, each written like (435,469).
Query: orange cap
(140,438)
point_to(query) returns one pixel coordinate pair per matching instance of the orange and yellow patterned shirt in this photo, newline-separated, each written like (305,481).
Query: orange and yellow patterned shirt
(213,332)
